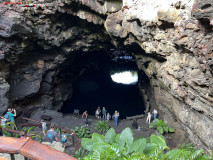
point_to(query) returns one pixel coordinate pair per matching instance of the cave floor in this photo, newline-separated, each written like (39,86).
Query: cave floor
(70,121)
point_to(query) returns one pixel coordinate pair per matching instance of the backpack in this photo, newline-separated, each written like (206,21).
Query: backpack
(63,137)
(7,117)
(49,136)
(113,116)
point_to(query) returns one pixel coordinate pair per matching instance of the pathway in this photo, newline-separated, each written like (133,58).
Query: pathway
(70,121)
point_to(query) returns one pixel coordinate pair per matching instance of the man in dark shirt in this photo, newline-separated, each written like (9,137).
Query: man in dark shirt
(51,134)
(135,124)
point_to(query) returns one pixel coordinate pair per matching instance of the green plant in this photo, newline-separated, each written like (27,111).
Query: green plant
(123,146)
(29,132)
(102,126)
(184,154)
(189,147)
(119,146)
(58,130)
(80,153)
(82,132)
(161,126)
(9,126)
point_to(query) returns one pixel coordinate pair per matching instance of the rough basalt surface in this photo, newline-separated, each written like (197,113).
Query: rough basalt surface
(172,42)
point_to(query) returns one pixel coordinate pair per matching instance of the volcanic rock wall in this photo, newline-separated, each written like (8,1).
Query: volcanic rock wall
(171,41)
(177,39)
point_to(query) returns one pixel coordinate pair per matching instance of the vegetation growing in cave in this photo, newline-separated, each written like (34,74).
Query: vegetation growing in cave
(124,146)
(82,132)
(36,137)
(8,126)
(162,127)
(102,126)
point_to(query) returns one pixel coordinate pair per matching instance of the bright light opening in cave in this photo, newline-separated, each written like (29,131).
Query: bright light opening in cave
(126,77)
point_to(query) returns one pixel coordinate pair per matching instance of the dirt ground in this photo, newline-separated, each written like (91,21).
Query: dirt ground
(70,121)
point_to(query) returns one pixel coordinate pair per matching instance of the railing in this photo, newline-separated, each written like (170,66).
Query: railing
(17,132)
(31,149)
(15,145)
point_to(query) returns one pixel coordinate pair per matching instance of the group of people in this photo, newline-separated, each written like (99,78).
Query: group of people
(53,135)
(98,113)
(107,116)
(9,117)
(149,116)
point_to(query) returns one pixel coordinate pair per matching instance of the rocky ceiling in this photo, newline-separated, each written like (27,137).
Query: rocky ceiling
(171,41)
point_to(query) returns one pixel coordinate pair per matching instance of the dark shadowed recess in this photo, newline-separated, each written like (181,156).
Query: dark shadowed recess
(96,88)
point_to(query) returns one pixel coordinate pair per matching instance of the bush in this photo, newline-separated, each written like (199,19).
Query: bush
(9,126)
(120,146)
(9,134)
(79,153)
(36,137)
(82,132)
(123,146)
(189,147)
(161,126)
(102,126)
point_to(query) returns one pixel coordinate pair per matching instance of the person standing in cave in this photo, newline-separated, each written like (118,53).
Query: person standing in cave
(44,127)
(149,117)
(64,138)
(116,118)
(108,116)
(3,123)
(51,134)
(85,116)
(11,116)
(135,124)
(98,112)
(104,111)
(155,112)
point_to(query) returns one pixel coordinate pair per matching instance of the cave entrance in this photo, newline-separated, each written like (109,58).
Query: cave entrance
(97,86)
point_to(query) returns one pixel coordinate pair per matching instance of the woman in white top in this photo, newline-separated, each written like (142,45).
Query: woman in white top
(108,116)
(3,123)
(148,117)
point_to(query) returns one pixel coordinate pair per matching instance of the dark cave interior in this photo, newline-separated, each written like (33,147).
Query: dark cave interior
(96,88)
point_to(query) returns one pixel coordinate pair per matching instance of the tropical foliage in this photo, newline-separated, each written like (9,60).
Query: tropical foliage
(189,147)
(123,146)
(10,134)
(58,130)
(36,137)
(82,132)
(161,126)
(9,126)
(80,153)
(102,126)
